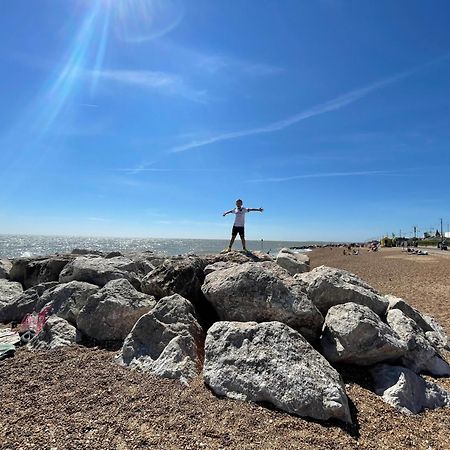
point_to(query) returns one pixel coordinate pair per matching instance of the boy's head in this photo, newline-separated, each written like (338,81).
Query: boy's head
(239,203)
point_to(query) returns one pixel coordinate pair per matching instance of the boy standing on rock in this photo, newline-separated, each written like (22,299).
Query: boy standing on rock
(239,223)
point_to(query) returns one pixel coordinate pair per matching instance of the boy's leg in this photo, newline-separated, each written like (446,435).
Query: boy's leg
(233,237)
(242,236)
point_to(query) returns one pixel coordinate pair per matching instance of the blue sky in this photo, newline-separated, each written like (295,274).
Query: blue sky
(150,117)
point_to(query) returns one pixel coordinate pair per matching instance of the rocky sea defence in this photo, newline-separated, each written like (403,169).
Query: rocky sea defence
(256,328)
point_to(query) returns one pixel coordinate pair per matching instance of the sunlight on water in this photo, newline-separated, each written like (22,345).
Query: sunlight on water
(14,246)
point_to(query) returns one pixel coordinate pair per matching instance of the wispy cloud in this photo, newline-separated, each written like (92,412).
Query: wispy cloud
(165,83)
(141,168)
(324,175)
(330,106)
(98,219)
(408,171)
(215,63)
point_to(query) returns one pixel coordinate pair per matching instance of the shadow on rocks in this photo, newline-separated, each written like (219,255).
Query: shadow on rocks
(89,342)
(356,375)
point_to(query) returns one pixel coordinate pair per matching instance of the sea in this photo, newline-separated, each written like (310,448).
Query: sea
(14,246)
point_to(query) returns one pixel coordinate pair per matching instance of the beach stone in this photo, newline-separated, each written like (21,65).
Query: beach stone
(167,341)
(271,362)
(110,313)
(409,311)
(327,287)
(437,337)
(149,259)
(25,303)
(183,275)
(421,355)
(262,292)
(219,265)
(145,262)
(407,391)
(67,299)
(5,267)
(354,334)
(98,270)
(238,257)
(33,271)
(9,292)
(55,333)
(293,262)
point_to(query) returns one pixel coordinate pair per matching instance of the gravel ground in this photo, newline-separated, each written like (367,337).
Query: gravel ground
(77,398)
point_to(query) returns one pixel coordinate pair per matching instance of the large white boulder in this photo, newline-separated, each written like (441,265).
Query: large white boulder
(9,292)
(98,270)
(110,313)
(238,257)
(409,311)
(67,299)
(219,265)
(421,355)
(437,336)
(167,341)
(271,362)
(327,287)
(354,334)
(55,333)
(406,391)
(262,292)
(293,262)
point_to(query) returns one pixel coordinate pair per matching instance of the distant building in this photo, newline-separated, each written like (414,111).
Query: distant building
(447,234)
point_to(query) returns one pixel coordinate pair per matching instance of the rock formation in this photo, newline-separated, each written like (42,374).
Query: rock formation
(293,262)
(167,341)
(327,287)
(262,318)
(110,313)
(271,362)
(255,292)
(354,334)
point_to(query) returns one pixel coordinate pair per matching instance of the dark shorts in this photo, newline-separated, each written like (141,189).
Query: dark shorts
(237,230)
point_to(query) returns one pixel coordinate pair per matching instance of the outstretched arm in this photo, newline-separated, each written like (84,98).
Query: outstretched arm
(227,212)
(255,209)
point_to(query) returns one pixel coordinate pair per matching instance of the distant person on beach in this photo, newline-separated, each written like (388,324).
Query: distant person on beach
(239,223)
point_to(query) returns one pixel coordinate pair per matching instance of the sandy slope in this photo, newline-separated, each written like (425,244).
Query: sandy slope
(77,399)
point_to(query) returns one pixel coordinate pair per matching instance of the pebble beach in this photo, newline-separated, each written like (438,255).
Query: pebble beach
(76,398)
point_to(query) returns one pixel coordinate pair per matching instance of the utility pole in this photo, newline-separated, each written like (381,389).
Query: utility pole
(441,229)
(415,231)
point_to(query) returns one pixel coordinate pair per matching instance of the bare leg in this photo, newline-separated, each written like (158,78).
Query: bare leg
(231,241)
(243,243)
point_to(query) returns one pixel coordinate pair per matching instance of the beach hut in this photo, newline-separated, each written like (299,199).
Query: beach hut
(386,242)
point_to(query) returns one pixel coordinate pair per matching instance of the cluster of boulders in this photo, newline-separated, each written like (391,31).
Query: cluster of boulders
(257,328)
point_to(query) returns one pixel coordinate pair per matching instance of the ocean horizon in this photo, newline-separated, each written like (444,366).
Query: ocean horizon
(15,246)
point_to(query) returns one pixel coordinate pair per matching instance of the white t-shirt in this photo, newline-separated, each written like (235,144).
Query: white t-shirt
(239,220)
